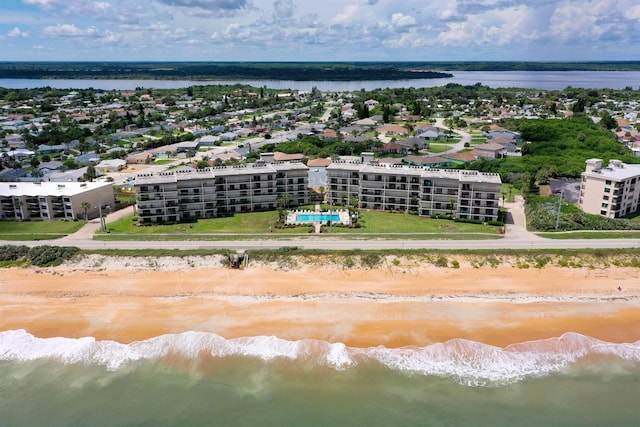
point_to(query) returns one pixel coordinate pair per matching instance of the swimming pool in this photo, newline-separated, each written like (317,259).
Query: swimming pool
(317,217)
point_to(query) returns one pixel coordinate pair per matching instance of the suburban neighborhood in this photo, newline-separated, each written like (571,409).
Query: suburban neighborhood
(207,152)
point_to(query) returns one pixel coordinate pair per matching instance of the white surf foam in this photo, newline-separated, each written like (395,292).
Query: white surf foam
(467,362)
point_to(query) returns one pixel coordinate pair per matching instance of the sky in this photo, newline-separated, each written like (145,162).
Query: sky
(319,30)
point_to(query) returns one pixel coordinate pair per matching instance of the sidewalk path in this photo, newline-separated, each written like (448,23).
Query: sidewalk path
(516,227)
(91,227)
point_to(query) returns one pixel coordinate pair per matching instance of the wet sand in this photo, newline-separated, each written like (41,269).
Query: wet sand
(361,308)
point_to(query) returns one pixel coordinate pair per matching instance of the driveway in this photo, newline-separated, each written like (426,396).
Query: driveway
(459,146)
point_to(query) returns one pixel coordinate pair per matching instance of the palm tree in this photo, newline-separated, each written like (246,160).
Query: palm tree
(452,206)
(86,206)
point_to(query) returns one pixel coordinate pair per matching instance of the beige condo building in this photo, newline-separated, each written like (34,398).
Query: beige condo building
(187,195)
(425,191)
(612,191)
(54,200)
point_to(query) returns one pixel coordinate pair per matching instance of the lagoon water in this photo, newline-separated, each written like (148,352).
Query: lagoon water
(198,379)
(544,80)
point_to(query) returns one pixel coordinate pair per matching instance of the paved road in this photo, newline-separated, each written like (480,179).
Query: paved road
(458,146)
(339,244)
(517,237)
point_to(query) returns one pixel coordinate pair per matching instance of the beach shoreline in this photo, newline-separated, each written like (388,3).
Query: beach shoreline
(408,304)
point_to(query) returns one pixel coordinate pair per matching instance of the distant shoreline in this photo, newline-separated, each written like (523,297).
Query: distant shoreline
(294,71)
(217,71)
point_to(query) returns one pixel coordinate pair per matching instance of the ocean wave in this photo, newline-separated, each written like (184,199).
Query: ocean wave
(467,362)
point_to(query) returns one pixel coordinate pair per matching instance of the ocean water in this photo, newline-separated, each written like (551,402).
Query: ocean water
(199,379)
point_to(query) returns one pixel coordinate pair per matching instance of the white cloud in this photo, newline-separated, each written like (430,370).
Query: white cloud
(331,29)
(70,30)
(400,20)
(45,4)
(347,15)
(17,33)
(284,9)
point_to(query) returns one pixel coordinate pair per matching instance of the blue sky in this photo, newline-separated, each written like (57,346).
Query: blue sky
(319,30)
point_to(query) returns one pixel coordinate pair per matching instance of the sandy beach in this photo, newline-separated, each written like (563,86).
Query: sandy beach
(393,307)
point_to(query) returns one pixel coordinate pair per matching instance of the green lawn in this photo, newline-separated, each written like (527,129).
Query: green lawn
(438,148)
(509,192)
(625,234)
(37,230)
(261,225)
(162,161)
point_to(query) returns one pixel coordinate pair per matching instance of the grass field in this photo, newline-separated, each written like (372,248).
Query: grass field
(623,234)
(438,148)
(509,192)
(262,225)
(37,230)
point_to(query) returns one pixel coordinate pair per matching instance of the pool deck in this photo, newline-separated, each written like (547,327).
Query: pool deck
(343,214)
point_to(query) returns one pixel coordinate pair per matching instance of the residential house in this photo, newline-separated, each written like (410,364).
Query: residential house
(139,158)
(110,165)
(431,133)
(282,157)
(14,174)
(73,175)
(414,143)
(490,151)
(393,148)
(329,135)
(428,161)
(87,158)
(51,166)
(393,130)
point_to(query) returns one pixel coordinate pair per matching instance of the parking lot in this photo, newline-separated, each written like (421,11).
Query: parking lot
(568,187)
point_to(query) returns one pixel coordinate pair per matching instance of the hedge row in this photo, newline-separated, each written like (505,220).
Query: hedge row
(41,256)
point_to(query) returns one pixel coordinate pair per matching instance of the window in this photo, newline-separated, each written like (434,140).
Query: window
(607,190)
(605,205)
(608,182)
(605,198)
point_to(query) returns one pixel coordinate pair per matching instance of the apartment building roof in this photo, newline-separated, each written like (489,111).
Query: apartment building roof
(283,166)
(616,170)
(391,168)
(420,171)
(345,165)
(33,189)
(216,171)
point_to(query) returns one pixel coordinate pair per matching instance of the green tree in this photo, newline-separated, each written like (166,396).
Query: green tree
(90,174)
(608,122)
(85,207)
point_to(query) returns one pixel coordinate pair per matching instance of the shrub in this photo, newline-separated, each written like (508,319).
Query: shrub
(441,262)
(43,256)
(13,253)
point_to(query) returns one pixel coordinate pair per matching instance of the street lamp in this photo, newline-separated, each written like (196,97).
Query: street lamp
(559,206)
(103,224)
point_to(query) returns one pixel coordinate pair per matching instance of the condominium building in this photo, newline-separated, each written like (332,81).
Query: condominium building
(612,191)
(54,200)
(461,193)
(186,195)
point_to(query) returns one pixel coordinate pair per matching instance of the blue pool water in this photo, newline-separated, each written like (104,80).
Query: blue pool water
(317,217)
